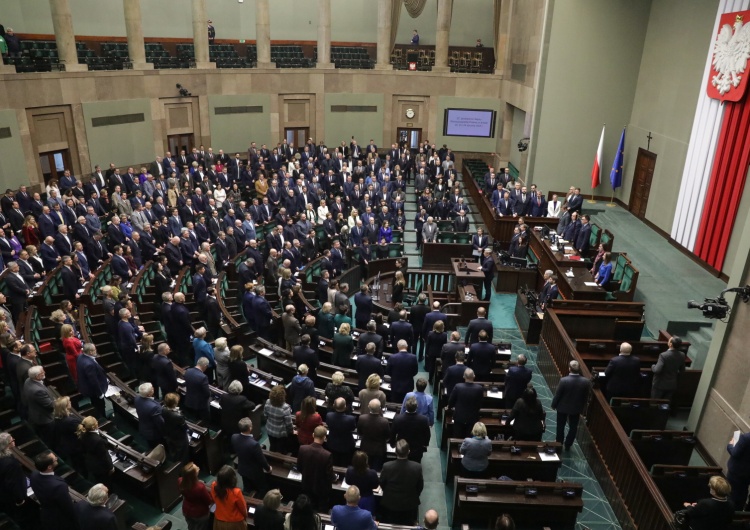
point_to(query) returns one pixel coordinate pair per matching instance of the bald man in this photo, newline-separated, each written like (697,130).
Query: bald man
(623,374)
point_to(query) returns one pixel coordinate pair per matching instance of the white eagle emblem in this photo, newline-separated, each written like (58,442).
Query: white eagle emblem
(731,52)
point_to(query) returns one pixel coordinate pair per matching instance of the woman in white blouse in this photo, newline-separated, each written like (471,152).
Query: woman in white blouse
(553,207)
(310,213)
(322,212)
(220,195)
(353,217)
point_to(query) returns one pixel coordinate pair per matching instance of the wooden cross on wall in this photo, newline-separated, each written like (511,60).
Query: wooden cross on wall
(649,140)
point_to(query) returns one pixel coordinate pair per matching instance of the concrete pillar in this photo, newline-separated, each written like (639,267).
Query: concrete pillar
(134,29)
(62,23)
(385,11)
(502,48)
(442,35)
(200,35)
(324,35)
(263,33)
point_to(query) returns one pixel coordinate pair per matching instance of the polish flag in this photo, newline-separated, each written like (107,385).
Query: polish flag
(596,170)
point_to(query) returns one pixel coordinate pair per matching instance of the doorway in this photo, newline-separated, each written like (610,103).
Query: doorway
(54,164)
(297,135)
(642,176)
(180,142)
(410,137)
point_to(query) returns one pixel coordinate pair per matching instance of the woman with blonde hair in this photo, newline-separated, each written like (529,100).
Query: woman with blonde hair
(30,231)
(72,346)
(343,346)
(476,450)
(336,389)
(279,423)
(324,322)
(267,515)
(95,451)
(399,283)
(370,392)
(66,445)
(196,499)
(58,319)
(221,356)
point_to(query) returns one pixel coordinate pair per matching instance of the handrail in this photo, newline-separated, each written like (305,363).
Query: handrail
(87,297)
(220,282)
(642,503)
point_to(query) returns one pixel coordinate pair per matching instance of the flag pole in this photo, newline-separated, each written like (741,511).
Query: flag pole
(591,200)
(611,202)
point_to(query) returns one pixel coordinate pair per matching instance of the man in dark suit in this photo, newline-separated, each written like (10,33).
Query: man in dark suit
(430,318)
(488,268)
(476,325)
(667,370)
(465,400)
(402,484)
(575,201)
(412,427)
(183,329)
(584,236)
(570,399)
(402,367)
(623,374)
(128,336)
(401,329)
(367,364)
(150,420)
(341,426)
(450,349)
(481,356)
(197,393)
(363,303)
(374,431)
(304,354)
(162,370)
(93,512)
(371,336)
(516,380)
(417,314)
(52,493)
(92,380)
(17,288)
(316,466)
(50,255)
(251,462)
(454,374)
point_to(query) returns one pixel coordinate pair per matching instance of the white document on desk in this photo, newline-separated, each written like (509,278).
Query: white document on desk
(498,395)
(544,457)
(266,352)
(112,391)
(590,284)
(389,414)
(295,475)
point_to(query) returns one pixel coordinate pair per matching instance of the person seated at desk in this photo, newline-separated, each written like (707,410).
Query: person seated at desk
(604,274)
(476,452)
(714,513)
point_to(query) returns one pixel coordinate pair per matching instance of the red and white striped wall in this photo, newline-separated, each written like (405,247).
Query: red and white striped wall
(713,167)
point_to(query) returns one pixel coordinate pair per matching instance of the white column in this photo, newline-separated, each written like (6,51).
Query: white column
(442,35)
(385,11)
(62,23)
(263,33)
(134,29)
(200,35)
(324,35)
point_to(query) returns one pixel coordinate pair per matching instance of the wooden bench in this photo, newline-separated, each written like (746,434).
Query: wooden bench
(663,447)
(526,464)
(680,484)
(641,413)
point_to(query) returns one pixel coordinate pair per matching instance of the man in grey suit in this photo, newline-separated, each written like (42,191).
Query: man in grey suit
(569,401)
(40,405)
(429,231)
(667,369)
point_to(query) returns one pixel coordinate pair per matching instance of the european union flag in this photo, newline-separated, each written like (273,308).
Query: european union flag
(615,176)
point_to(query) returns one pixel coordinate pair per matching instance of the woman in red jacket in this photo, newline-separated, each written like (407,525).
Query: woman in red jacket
(72,347)
(196,500)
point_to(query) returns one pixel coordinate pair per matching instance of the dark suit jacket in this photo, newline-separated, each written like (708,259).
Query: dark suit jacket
(56,505)
(402,484)
(308,356)
(39,402)
(481,358)
(251,462)
(402,367)
(197,394)
(366,365)
(623,375)
(414,428)
(92,380)
(150,420)
(98,461)
(99,517)
(583,238)
(401,330)
(316,466)
(571,394)
(234,407)
(181,325)
(363,303)
(430,319)
(667,369)
(466,400)
(374,431)
(475,326)
(70,283)
(368,337)
(341,426)
(515,383)
(452,376)
(163,370)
